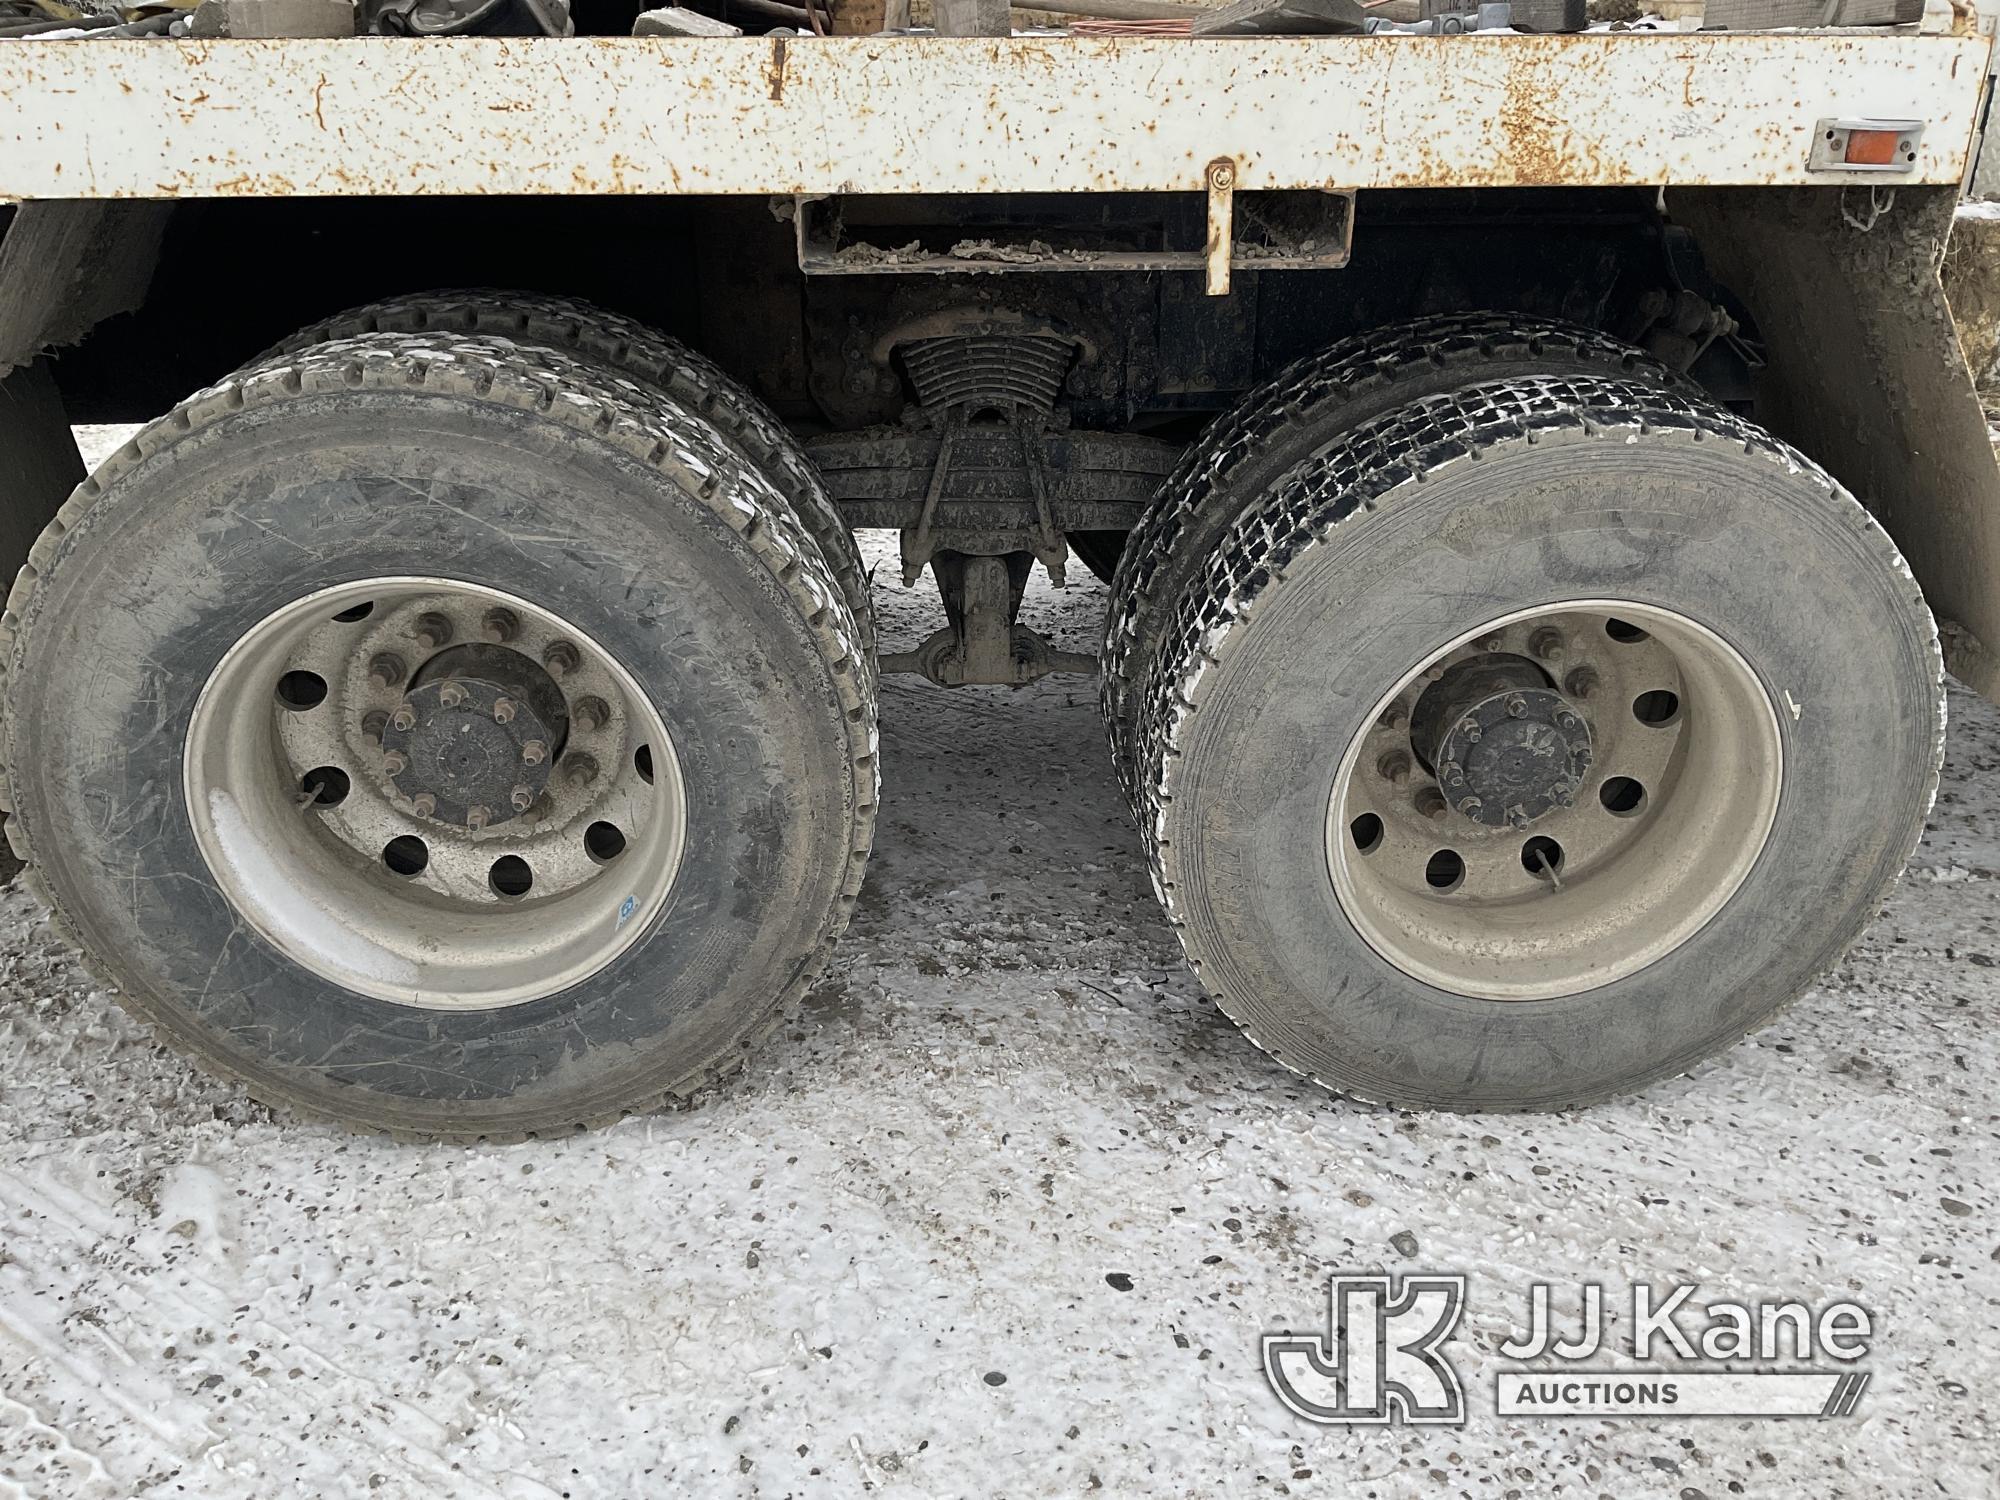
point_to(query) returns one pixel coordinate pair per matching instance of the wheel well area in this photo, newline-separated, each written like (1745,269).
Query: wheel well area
(234,276)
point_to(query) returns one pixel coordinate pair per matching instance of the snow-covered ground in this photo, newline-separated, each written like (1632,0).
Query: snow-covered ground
(1004,1213)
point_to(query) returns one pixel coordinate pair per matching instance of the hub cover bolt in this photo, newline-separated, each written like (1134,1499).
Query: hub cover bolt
(523,798)
(500,625)
(431,631)
(1516,707)
(405,717)
(593,713)
(1569,721)
(1468,805)
(387,670)
(477,817)
(580,770)
(1547,643)
(533,753)
(451,695)
(1581,683)
(372,724)
(560,658)
(424,803)
(1471,730)
(394,763)
(503,710)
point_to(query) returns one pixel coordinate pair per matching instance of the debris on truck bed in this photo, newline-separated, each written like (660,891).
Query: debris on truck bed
(52,20)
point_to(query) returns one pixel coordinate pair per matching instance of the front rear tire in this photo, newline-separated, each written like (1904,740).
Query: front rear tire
(441,737)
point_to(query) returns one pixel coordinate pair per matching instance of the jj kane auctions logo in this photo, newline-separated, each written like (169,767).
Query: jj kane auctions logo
(1382,1357)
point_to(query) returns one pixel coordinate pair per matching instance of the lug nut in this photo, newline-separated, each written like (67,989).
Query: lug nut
(1491,643)
(1430,803)
(580,770)
(394,763)
(424,803)
(1548,644)
(1581,683)
(523,798)
(592,713)
(405,717)
(451,695)
(387,670)
(477,817)
(1516,706)
(1394,767)
(500,625)
(503,710)
(560,658)
(534,753)
(372,724)
(431,631)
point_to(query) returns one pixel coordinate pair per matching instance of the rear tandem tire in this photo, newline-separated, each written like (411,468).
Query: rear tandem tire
(480,466)
(1277,686)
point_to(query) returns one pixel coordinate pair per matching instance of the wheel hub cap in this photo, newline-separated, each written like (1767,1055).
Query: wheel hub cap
(474,742)
(1505,747)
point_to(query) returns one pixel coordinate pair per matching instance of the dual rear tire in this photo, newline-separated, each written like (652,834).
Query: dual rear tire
(444,734)
(1523,743)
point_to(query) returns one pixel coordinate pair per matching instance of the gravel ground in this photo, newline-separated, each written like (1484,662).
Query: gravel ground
(1004,1213)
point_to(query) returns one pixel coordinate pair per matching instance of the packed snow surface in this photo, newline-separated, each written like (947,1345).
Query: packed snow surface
(1005,1213)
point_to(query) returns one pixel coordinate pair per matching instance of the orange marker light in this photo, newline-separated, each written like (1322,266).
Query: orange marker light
(1871,148)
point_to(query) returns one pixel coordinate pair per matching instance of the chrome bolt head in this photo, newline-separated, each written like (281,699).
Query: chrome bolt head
(503,710)
(500,625)
(522,799)
(534,753)
(405,717)
(451,695)
(387,670)
(431,631)
(560,659)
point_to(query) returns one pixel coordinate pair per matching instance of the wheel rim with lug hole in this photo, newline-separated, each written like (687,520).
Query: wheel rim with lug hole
(1554,800)
(434,793)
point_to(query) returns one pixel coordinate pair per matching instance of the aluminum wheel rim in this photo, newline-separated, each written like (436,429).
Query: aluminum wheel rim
(326,879)
(1671,709)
